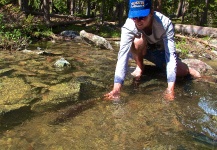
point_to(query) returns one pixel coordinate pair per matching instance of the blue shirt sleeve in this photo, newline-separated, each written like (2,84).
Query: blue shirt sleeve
(170,53)
(127,37)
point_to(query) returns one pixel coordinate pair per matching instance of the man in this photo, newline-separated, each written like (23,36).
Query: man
(148,34)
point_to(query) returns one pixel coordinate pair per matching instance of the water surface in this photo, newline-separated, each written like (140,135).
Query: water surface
(141,119)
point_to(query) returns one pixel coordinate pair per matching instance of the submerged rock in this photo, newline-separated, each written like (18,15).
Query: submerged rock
(14,94)
(58,94)
(5,70)
(38,52)
(14,91)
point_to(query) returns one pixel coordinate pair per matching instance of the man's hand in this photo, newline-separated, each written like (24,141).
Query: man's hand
(115,93)
(169,95)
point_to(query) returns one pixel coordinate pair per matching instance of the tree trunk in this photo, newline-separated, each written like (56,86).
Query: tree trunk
(88,8)
(120,13)
(157,5)
(203,20)
(72,7)
(23,5)
(127,6)
(51,6)
(79,7)
(183,11)
(102,11)
(180,8)
(46,12)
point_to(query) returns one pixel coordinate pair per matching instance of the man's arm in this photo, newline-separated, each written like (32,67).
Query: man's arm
(171,61)
(127,37)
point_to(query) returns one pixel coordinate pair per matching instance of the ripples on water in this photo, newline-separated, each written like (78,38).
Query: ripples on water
(139,120)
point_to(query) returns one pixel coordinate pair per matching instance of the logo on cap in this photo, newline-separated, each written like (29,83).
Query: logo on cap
(137,4)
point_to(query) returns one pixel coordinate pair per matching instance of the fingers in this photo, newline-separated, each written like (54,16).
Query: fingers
(169,95)
(111,96)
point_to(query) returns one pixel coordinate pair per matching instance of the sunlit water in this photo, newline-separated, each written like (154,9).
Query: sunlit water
(141,119)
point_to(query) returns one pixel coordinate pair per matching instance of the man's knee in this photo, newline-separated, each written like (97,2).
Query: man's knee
(182,69)
(139,45)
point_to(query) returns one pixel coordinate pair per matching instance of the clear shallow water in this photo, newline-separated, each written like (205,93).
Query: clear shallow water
(140,120)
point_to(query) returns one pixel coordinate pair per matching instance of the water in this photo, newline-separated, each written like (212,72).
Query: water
(141,119)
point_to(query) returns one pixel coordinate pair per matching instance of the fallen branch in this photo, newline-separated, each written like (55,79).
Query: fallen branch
(196,30)
(196,39)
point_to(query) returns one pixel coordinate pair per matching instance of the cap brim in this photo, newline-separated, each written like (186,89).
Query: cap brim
(138,13)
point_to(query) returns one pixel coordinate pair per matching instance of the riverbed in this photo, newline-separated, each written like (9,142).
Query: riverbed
(140,120)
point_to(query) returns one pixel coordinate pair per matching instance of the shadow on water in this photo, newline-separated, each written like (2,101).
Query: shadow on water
(15,118)
(71,111)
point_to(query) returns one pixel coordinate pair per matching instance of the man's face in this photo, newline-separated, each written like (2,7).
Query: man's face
(142,22)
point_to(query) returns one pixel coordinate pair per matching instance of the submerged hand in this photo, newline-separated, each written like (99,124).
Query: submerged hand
(169,95)
(113,95)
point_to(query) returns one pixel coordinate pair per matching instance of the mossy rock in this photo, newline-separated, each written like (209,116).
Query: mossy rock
(14,91)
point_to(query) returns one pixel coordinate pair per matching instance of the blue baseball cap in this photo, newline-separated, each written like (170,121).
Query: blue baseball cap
(139,8)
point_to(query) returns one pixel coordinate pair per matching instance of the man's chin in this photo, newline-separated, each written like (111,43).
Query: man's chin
(139,27)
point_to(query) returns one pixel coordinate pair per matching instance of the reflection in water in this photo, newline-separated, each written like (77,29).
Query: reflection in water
(208,105)
(200,115)
(208,123)
(138,120)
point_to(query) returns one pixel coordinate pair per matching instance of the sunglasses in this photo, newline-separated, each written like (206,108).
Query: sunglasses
(139,18)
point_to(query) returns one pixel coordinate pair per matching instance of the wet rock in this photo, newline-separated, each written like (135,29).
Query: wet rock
(95,39)
(89,87)
(62,63)
(57,95)
(207,56)
(199,65)
(38,52)
(213,42)
(69,33)
(214,52)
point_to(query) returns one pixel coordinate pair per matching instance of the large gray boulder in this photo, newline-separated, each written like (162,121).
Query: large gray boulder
(202,67)
(96,40)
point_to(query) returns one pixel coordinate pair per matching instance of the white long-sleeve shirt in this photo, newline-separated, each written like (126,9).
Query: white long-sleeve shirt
(162,34)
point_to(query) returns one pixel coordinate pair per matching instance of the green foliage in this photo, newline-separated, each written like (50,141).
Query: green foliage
(28,24)
(36,4)
(42,31)
(182,45)
(106,31)
(11,38)
(3,2)
(61,6)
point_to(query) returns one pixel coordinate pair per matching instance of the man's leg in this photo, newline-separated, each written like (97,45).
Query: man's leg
(158,58)
(183,70)
(138,50)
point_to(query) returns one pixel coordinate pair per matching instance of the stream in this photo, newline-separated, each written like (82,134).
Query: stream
(140,120)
